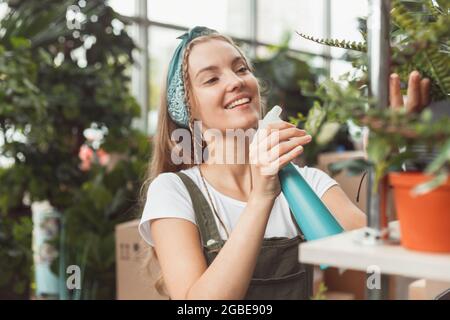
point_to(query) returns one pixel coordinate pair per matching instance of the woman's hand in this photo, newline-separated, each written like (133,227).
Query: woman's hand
(418,92)
(271,149)
(417,96)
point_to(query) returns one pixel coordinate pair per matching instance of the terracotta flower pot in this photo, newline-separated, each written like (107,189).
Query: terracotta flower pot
(425,219)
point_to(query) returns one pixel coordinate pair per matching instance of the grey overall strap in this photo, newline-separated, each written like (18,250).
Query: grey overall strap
(203,215)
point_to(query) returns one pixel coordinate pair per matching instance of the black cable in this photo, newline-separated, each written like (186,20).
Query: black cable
(360,184)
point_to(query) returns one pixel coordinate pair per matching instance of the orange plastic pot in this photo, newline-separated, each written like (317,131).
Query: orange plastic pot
(424,219)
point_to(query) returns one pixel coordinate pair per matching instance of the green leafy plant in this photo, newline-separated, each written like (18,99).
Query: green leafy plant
(343,44)
(391,130)
(18,92)
(58,79)
(328,134)
(419,40)
(15,257)
(321,292)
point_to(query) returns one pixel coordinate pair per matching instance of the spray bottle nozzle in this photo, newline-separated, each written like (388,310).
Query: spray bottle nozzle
(272,116)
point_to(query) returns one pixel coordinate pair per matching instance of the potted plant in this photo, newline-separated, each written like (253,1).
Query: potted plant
(419,142)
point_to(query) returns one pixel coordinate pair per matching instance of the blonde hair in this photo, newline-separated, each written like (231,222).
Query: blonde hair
(163,145)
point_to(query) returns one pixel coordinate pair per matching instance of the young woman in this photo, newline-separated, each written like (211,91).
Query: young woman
(222,229)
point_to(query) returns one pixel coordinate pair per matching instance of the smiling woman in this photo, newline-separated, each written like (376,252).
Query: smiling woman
(222,80)
(242,99)
(224,230)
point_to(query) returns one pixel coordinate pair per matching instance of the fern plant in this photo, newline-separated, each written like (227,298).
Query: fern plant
(419,41)
(344,44)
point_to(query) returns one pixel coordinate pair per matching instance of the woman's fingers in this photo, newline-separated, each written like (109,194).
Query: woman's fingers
(287,157)
(395,94)
(277,136)
(285,147)
(275,144)
(424,92)
(418,92)
(413,100)
(274,127)
(279,125)
(273,167)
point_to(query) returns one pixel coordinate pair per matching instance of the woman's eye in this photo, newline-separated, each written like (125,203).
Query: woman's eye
(242,69)
(212,80)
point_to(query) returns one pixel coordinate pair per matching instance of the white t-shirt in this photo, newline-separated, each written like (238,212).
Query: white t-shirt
(167,197)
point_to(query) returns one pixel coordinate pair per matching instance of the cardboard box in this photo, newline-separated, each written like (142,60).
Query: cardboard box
(136,269)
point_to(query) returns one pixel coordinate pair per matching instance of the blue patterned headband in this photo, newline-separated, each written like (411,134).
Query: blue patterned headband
(176,99)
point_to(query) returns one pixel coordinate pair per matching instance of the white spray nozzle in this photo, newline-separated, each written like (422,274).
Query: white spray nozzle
(272,116)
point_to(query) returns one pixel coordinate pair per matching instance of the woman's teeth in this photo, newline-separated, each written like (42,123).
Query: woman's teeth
(237,102)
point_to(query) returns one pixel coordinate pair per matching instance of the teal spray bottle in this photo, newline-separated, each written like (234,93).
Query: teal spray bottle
(311,214)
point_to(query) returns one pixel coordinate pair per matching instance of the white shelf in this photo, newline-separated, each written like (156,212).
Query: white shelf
(345,251)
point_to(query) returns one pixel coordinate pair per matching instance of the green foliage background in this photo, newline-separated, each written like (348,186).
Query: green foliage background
(48,97)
